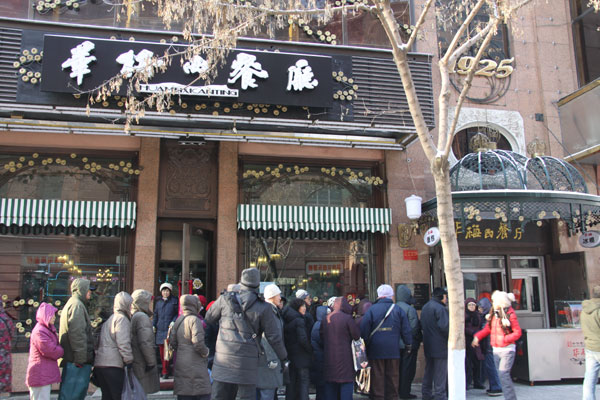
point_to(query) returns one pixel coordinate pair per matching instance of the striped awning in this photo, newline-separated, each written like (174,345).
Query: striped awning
(313,219)
(67,213)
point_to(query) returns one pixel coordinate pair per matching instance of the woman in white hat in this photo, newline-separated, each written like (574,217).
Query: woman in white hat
(165,313)
(504,330)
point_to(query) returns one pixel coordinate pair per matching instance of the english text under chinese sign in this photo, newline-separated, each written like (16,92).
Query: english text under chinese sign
(76,64)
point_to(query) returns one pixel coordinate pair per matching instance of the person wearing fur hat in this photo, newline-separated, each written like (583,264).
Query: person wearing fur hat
(436,325)
(504,330)
(243,318)
(166,310)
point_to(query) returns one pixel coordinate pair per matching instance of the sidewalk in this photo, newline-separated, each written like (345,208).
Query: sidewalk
(554,391)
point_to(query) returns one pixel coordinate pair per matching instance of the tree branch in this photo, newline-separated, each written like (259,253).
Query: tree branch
(493,24)
(462,30)
(420,21)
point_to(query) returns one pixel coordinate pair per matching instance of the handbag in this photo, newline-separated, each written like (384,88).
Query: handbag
(171,340)
(132,388)
(75,381)
(363,381)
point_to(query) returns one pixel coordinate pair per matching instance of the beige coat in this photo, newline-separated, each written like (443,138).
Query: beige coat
(142,342)
(191,359)
(114,349)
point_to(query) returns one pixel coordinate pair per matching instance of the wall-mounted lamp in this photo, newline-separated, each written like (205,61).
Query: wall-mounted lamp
(413,212)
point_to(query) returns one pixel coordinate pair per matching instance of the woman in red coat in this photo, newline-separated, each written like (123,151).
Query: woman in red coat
(504,330)
(44,350)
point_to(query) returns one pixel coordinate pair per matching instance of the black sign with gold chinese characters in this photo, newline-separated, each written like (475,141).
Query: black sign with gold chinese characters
(494,232)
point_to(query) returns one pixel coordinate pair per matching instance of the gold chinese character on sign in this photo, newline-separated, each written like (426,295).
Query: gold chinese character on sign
(502,231)
(488,233)
(518,234)
(458,227)
(473,231)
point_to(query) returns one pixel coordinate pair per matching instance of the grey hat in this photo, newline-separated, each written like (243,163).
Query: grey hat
(251,278)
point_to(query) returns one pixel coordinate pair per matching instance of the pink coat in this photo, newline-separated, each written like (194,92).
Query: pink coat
(44,350)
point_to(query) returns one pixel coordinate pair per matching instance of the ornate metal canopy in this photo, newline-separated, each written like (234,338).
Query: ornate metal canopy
(509,187)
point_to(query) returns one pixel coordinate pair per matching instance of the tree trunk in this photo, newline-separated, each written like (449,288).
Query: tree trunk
(454,280)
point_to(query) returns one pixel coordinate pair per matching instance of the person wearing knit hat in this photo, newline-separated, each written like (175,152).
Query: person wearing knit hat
(166,310)
(238,350)
(435,324)
(386,330)
(504,330)
(270,375)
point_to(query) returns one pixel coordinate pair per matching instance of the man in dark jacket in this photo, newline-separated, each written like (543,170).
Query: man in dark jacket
(297,344)
(408,363)
(435,324)
(338,329)
(243,318)
(305,296)
(382,327)
(166,309)
(317,345)
(270,375)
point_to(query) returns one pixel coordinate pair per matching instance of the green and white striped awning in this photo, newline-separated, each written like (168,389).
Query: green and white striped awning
(313,219)
(67,213)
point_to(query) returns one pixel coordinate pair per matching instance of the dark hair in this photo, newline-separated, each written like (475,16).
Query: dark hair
(296,304)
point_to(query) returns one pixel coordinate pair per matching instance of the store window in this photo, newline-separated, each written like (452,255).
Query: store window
(482,276)
(585,23)
(325,263)
(45,250)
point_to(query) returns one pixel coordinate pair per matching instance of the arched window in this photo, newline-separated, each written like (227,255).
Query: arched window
(460,144)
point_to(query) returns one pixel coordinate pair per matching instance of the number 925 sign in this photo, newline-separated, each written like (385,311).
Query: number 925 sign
(487,68)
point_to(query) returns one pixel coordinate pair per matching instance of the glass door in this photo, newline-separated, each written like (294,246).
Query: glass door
(528,287)
(482,276)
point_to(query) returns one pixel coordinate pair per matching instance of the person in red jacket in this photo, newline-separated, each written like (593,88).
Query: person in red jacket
(504,330)
(44,350)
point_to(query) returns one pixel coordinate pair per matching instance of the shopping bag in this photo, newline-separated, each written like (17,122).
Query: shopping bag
(132,388)
(75,382)
(363,381)
(359,354)
(169,351)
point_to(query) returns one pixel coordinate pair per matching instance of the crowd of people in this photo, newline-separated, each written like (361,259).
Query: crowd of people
(249,346)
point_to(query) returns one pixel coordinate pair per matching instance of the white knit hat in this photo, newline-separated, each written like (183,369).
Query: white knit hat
(331,301)
(271,291)
(502,299)
(166,285)
(302,294)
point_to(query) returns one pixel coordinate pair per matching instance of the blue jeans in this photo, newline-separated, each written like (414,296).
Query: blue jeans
(339,391)
(489,370)
(592,366)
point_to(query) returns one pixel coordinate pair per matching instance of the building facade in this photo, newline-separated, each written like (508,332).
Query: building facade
(307,183)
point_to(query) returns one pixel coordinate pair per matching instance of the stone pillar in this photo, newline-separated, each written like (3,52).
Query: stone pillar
(144,269)
(227,251)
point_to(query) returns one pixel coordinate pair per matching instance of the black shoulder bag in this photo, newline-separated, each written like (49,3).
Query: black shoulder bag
(236,307)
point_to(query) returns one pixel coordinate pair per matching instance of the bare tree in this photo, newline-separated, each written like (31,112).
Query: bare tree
(227,20)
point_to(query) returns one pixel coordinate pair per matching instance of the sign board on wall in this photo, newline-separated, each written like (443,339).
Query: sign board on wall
(589,239)
(79,64)
(318,267)
(411,255)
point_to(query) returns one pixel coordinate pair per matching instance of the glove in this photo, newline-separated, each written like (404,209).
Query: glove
(129,366)
(149,368)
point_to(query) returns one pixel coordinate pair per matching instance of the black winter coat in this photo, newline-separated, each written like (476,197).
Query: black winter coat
(316,372)
(237,354)
(165,312)
(435,324)
(297,342)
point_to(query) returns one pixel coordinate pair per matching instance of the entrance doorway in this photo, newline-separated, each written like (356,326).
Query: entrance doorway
(483,275)
(199,280)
